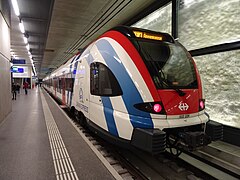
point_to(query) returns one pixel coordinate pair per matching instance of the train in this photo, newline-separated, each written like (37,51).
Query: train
(136,87)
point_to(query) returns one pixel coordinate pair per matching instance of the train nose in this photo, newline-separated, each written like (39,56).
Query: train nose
(175,104)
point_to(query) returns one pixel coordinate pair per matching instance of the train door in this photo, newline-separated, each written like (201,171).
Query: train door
(69,89)
(55,86)
(63,89)
(96,104)
(103,87)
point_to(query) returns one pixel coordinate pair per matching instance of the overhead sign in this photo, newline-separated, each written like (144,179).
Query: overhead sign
(19,61)
(17,70)
(21,71)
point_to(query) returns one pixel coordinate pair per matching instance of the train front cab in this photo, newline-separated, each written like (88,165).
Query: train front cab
(179,97)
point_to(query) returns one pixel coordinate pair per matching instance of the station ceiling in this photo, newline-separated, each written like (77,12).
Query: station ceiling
(57,29)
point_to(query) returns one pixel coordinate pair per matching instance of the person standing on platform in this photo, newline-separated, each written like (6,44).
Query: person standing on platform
(25,86)
(14,93)
(18,88)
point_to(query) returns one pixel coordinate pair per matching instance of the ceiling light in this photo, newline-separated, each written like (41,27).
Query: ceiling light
(21,27)
(27,46)
(15,7)
(25,40)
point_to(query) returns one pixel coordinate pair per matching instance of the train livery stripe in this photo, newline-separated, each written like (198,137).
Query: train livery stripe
(132,52)
(130,92)
(108,112)
(199,81)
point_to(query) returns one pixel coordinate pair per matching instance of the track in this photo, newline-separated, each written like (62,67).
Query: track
(135,164)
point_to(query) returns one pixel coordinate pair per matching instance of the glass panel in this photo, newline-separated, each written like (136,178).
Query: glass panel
(221,77)
(94,79)
(103,82)
(159,20)
(205,23)
(170,65)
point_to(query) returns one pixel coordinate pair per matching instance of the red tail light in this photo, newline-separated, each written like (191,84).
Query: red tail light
(151,107)
(201,104)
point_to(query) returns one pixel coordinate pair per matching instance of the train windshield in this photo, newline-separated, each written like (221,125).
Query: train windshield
(169,65)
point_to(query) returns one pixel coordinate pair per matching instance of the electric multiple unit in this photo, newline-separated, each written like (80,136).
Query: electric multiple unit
(138,87)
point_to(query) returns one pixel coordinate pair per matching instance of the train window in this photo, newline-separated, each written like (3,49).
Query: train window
(169,65)
(59,85)
(103,82)
(51,83)
(55,83)
(69,84)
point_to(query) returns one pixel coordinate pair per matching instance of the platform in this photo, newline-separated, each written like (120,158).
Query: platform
(38,142)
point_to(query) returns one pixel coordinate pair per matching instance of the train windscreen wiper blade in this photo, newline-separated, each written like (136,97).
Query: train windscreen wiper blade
(179,91)
(164,80)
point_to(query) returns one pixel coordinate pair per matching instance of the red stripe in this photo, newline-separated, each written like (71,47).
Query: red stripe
(198,79)
(133,53)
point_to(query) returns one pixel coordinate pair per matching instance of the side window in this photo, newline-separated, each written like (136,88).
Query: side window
(59,84)
(103,82)
(69,84)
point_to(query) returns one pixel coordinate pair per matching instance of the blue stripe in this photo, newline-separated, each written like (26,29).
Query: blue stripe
(131,94)
(89,59)
(108,112)
(107,108)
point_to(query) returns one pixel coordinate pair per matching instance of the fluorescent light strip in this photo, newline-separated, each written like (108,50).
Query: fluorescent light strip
(25,40)
(27,46)
(21,27)
(15,7)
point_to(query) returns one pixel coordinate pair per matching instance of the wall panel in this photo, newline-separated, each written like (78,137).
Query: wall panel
(5,75)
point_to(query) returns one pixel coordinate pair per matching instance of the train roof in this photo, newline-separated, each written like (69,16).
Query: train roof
(129,32)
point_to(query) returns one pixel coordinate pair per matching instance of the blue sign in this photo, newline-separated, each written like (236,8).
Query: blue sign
(17,70)
(19,61)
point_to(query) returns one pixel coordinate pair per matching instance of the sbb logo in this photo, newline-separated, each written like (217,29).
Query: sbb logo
(183,106)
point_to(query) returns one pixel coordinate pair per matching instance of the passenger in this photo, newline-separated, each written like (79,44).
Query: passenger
(18,88)
(14,88)
(25,86)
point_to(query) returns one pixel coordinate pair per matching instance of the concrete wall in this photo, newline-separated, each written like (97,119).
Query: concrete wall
(5,75)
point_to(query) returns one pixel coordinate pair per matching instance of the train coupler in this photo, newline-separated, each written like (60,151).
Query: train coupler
(193,140)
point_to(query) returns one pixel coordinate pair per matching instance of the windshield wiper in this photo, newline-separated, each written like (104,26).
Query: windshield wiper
(179,91)
(164,80)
